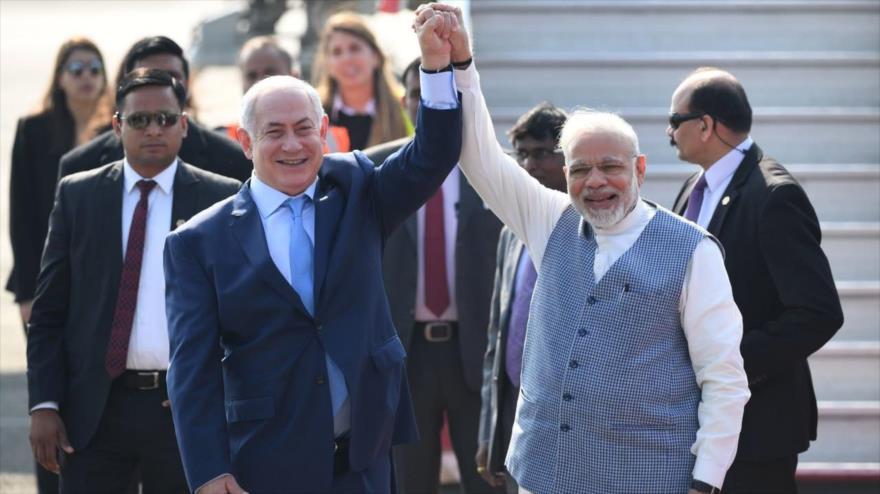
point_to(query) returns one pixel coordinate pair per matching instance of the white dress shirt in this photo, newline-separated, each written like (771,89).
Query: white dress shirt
(451,195)
(148,345)
(718,177)
(710,319)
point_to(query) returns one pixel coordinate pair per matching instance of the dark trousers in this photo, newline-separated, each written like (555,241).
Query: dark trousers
(135,433)
(378,478)
(761,477)
(508,412)
(437,384)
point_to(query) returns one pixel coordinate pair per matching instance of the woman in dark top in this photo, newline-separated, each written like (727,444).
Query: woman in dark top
(75,108)
(356,86)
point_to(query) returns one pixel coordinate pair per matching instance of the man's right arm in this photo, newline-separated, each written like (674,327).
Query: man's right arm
(195,382)
(45,342)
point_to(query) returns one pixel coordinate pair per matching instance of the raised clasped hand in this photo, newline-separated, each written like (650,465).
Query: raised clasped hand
(434,29)
(456,34)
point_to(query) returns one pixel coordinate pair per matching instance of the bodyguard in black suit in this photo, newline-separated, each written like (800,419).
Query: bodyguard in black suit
(444,356)
(781,278)
(97,345)
(201,147)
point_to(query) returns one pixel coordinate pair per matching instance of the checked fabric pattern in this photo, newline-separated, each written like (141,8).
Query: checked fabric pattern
(608,402)
(126,298)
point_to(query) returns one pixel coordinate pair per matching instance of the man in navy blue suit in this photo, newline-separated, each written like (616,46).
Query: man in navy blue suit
(287,374)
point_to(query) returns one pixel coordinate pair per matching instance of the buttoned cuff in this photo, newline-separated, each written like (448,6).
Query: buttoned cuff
(439,91)
(709,471)
(51,405)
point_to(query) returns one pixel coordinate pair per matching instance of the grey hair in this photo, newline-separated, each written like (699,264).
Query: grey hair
(589,121)
(274,83)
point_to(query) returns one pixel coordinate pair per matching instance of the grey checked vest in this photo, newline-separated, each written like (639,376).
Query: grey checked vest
(609,398)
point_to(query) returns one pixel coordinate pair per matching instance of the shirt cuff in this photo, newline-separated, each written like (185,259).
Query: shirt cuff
(439,91)
(709,472)
(51,405)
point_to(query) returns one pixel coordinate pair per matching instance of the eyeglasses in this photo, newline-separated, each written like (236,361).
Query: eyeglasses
(676,119)
(142,120)
(539,154)
(609,168)
(76,68)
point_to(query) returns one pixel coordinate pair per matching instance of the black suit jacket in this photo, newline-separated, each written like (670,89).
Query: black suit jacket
(476,242)
(34,172)
(783,286)
(76,290)
(201,147)
(510,249)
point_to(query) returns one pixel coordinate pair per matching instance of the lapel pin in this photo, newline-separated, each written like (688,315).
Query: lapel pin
(179,223)
(725,201)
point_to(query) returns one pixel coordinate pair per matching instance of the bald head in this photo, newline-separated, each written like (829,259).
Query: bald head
(716,93)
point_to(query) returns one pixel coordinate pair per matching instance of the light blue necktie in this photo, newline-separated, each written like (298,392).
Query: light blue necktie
(302,278)
(301,255)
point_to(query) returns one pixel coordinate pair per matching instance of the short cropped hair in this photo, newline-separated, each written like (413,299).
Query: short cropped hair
(147,47)
(412,67)
(143,77)
(588,121)
(541,122)
(720,95)
(249,100)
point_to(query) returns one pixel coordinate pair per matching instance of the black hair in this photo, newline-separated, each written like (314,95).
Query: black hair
(146,47)
(725,100)
(143,77)
(541,122)
(412,67)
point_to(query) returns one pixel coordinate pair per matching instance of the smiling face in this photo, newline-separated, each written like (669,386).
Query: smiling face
(350,60)
(604,177)
(82,78)
(287,145)
(153,148)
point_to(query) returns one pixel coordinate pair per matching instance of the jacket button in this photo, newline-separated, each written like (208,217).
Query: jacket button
(567,397)
(582,332)
(564,428)
(573,364)
(319,380)
(591,300)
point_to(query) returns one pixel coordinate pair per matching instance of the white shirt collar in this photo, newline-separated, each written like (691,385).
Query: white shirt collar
(722,169)
(339,105)
(269,199)
(164,180)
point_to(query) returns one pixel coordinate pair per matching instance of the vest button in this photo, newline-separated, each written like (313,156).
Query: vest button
(567,397)
(573,364)
(591,300)
(582,332)
(564,428)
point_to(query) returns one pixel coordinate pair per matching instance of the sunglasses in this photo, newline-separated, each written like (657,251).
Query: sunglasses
(76,68)
(142,120)
(676,119)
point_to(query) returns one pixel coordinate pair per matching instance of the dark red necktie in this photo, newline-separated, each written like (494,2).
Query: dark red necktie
(436,289)
(126,299)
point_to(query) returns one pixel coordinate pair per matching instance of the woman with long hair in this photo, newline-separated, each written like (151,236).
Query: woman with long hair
(75,108)
(357,89)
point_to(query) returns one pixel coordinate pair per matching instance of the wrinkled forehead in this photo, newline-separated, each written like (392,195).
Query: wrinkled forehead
(284,105)
(591,147)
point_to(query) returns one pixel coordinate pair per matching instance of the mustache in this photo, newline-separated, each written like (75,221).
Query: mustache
(672,142)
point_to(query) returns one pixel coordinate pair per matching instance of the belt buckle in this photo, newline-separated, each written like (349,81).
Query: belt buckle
(438,332)
(148,387)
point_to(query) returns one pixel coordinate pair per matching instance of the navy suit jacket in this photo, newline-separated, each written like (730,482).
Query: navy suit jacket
(247,377)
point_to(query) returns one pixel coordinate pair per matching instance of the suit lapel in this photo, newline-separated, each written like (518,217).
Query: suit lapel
(185,198)
(514,252)
(681,202)
(247,228)
(110,224)
(329,204)
(731,194)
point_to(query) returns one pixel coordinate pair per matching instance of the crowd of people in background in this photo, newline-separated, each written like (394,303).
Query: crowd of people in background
(320,306)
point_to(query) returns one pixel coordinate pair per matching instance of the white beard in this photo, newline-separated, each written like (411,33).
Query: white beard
(606,218)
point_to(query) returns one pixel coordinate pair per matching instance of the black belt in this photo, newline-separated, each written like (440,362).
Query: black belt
(436,332)
(341,463)
(142,380)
